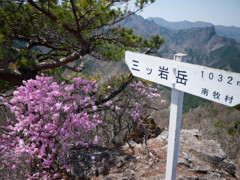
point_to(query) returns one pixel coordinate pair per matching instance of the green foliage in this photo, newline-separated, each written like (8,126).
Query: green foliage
(228,55)
(63,28)
(237,107)
(212,110)
(56,72)
(115,49)
(114,82)
(197,56)
(219,123)
(24,62)
(235,128)
(5,86)
(231,128)
(154,43)
(112,52)
(197,117)
(230,110)
(191,102)
(68,79)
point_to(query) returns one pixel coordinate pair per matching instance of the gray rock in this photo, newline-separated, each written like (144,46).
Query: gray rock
(208,151)
(94,160)
(198,159)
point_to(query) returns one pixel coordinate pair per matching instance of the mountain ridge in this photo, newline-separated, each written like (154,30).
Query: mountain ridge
(226,31)
(201,44)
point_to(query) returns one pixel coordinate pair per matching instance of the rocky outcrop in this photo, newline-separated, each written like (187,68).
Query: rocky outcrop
(95,161)
(198,159)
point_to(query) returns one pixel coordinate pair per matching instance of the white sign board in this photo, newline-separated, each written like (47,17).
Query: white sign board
(212,84)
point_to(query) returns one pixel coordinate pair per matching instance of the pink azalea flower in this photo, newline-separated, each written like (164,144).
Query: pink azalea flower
(94,108)
(95,141)
(163,101)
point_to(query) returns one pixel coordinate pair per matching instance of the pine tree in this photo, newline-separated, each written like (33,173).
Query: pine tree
(43,34)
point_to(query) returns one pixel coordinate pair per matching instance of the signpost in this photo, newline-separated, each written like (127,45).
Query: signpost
(215,85)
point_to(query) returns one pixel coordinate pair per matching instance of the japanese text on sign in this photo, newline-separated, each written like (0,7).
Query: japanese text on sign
(212,84)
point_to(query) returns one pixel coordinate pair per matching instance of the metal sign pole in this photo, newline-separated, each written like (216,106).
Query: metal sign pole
(174,127)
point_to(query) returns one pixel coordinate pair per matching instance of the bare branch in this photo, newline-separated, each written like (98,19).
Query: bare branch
(19,6)
(7,94)
(86,12)
(66,66)
(47,13)
(55,19)
(3,131)
(15,49)
(115,92)
(10,76)
(49,65)
(75,15)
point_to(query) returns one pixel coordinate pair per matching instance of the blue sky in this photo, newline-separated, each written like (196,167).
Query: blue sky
(217,12)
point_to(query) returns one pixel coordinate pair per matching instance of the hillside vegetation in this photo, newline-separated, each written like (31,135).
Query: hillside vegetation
(217,122)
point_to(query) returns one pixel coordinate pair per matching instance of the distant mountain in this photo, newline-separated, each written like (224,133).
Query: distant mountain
(231,32)
(179,25)
(226,31)
(202,44)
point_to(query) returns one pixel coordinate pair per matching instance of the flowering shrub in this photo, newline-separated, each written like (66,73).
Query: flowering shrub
(119,114)
(47,121)
(143,95)
(50,116)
